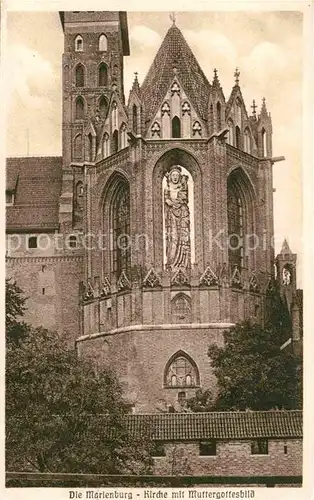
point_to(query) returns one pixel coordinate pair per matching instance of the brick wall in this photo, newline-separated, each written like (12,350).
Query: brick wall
(233,458)
(140,357)
(51,285)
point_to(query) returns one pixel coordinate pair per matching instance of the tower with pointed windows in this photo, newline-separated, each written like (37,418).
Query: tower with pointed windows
(92,64)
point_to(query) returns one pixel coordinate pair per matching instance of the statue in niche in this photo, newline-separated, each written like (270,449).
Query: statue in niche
(177,220)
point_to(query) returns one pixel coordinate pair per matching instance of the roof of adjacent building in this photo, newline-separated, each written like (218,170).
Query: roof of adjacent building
(218,425)
(175,58)
(36,182)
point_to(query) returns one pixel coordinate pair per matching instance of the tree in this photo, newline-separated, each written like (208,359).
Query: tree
(15,305)
(202,401)
(252,372)
(63,415)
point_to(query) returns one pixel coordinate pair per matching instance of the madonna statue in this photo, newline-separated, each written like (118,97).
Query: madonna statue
(177,220)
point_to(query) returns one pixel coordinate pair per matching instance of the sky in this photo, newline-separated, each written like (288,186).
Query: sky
(267,48)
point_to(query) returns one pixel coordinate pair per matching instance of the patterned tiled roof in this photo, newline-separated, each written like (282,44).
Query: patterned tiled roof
(218,425)
(37,185)
(174,52)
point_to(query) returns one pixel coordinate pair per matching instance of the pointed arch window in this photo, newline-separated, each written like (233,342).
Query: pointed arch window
(103,75)
(134,118)
(78,147)
(264,143)
(79,195)
(123,136)
(78,44)
(90,147)
(235,225)
(115,141)
(230,132)
(105,146)
(79,108)
(120,229)
(237,137)
(103,43)
(218,107)
(181,371)
(79,76)
(103,106)
(176,127)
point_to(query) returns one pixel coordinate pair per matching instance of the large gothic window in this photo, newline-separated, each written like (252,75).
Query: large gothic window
(235,225)
(79,76)
(181,371)
(102,75)
(120,229)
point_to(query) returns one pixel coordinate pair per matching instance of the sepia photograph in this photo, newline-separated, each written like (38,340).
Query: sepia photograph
(154,261)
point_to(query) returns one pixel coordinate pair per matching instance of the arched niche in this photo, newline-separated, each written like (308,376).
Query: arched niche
(185,159)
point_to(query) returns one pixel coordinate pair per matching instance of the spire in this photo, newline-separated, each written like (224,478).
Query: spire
(285,249)
(136,85)
(254,109)
(263,108)
(216,83)
(236,76)
(173,18)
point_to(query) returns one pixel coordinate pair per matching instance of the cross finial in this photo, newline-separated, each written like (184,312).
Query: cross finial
(173,18)
(254,108)
(236,76)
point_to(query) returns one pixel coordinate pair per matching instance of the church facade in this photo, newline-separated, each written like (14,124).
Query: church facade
(153,232)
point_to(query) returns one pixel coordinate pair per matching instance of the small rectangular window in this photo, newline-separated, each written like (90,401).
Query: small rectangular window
(158,449)
(285,449)
(73,242)
(259,447)
(43,291)
(208,448)
(9,198)
(32,242)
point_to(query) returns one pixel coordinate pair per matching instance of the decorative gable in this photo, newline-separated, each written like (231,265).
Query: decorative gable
(237,120)
(176,116)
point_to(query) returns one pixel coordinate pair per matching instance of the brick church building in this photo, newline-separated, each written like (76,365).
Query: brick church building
(152,233)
